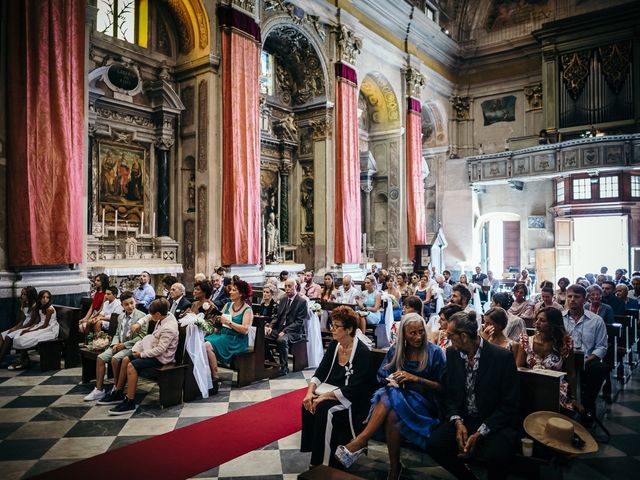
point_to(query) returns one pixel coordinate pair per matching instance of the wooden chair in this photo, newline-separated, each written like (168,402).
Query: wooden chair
(611,360)
(624,348)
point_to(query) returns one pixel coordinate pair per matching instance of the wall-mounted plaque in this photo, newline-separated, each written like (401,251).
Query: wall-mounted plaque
(536,221)
(123,77)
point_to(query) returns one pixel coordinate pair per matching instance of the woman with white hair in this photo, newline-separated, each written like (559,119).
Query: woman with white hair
(408,406)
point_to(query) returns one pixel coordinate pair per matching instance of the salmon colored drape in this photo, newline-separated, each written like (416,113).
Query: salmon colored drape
(241,149)
(348,228)
(45,137)
(415,187)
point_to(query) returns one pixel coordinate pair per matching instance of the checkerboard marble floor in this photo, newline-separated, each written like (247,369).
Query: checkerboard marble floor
(45,424)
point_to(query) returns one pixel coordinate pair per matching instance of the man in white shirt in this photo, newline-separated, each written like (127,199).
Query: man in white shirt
(110,306)
(589,334)
(347,292)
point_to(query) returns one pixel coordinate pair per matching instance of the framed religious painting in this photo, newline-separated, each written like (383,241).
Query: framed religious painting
(121,181)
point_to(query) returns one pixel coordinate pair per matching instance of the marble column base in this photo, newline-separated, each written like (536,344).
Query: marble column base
(67,287)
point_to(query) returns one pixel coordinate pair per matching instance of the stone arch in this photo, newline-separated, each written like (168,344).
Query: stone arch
(434,126)
(192,24)
(300,66)
(276,22)
(381,101)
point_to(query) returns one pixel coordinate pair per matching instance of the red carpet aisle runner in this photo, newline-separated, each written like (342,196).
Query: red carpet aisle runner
(195,448)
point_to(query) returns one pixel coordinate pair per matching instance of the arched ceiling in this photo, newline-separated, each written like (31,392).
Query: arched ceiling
(298,66)
(192,24)
(382,108)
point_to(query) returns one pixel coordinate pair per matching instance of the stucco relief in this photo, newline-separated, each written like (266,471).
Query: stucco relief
(188,254)
(202,228)
(203,121)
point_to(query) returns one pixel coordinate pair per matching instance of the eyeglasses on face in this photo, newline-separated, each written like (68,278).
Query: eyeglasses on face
(335,326)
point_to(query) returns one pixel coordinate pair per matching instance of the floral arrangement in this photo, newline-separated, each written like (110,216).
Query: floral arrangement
(203,325)
(315,307)
(392,299)
(98,341)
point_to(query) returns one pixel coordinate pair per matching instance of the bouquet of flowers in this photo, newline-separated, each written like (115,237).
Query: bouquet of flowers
(199,321)
(203,325)
(315,307)
(98,341)
(391,298)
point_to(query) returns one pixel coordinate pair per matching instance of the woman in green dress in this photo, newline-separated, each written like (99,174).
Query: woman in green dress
(233,335)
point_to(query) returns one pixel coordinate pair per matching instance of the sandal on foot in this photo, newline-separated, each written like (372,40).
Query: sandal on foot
(347,458)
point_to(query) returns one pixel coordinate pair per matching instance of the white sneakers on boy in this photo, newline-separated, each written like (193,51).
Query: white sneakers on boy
(95,395)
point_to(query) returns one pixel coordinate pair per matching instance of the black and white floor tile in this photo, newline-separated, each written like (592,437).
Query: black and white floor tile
(45,424)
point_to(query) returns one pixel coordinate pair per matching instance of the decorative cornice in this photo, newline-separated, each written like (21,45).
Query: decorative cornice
(414,82)
(461,107)
(349,45)
(533,93)
(297,15)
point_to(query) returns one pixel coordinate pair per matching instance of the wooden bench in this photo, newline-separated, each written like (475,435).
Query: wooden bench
(89,357)
(65,346)
(170,377)
(250,365)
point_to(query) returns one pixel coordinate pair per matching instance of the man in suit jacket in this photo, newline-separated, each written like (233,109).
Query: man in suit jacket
(178,303)
(482,408)
(220,295)
(288,326)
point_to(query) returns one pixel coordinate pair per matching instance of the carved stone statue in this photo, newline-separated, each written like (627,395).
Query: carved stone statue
(272,234)
(306,199)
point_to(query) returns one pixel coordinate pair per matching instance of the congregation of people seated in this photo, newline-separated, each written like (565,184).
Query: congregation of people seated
(438,353)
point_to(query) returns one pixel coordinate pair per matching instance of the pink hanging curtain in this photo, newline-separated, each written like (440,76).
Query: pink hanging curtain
(417,231)
(348,228)
(45,143)
(241,138)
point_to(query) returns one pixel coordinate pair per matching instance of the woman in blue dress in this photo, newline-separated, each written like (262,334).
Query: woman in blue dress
(370,303)
(233,335)
(408,406)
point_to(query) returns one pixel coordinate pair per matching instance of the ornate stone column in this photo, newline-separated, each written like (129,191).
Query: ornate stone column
(91,140)
(163,145)
(416,217)
(285,171)
(348,229)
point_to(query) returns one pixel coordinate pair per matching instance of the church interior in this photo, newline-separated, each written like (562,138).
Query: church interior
(337,137)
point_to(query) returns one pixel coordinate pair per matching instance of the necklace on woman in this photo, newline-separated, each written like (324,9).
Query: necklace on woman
(236,310)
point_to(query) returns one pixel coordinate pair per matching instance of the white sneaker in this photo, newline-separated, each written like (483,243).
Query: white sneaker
(95,395)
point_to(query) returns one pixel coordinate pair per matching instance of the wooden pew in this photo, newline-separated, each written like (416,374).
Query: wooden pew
(170,377)
(52,351)
(250,364)
(89,357)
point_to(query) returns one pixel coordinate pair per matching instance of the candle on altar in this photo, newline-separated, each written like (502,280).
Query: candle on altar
(115,228)
(104,233)
(153,225)
(141,223)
